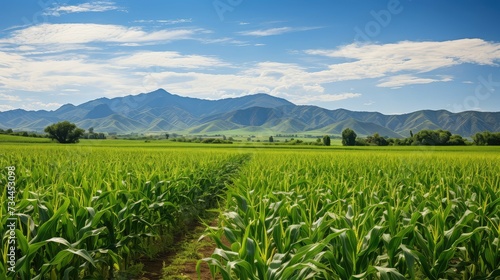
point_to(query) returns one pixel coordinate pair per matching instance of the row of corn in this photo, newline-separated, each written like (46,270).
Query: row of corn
(361,215)
(91,212)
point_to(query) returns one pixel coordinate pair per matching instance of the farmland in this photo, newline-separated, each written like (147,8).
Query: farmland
(362,214)
(91,209)
(88,211)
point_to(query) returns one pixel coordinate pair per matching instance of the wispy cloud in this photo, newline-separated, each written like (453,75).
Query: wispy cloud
(422,55)
(4,108)
(308,99)
(224,41)
(404,80)
(7,97)
(37,105)
(165,21)
(275,31)
(84,33)
(17,27)
(168,59)
(94,6)
(379,61)
(30,105)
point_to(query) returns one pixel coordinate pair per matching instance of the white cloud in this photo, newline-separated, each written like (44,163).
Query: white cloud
(275,31)
(168,59)
(17,27)
(165,21)
(205,76)
(9,61)
(84,33)
(4,108)
(54,73)
(415,53)
(403,80)
(307,99)
(37,105)
(224,41)
(126,73)
(467,82)
(377,61)
(95,6)
(47,49)
(267,32)
(7,97)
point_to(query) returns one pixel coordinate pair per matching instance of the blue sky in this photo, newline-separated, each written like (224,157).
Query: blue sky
(390,56)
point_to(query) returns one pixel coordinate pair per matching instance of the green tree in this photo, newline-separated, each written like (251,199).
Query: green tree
(349,137)
(486,138)
(478,139)
(494,139)
(64,132)
(433,137)
(377,140)
(456,140)
(271,139)
(326,140)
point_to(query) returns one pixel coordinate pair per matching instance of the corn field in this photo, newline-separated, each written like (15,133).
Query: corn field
(361,215)
(91,212)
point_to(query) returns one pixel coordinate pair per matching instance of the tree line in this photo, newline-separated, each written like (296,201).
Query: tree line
(66,132)
(424,137)
(9,131)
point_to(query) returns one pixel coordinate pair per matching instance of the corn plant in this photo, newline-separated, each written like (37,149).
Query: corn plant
(361,214)
(91,212)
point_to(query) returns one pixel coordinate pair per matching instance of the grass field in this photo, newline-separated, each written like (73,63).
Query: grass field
(21,139)
(286,212)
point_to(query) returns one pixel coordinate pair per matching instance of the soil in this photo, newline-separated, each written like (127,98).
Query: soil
(153,268)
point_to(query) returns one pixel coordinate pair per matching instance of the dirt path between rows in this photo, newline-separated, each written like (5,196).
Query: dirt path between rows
(180,261)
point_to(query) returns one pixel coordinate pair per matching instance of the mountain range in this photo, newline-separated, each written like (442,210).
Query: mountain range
(160,111)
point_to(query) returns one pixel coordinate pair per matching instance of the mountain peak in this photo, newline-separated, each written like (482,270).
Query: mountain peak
(159,91)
